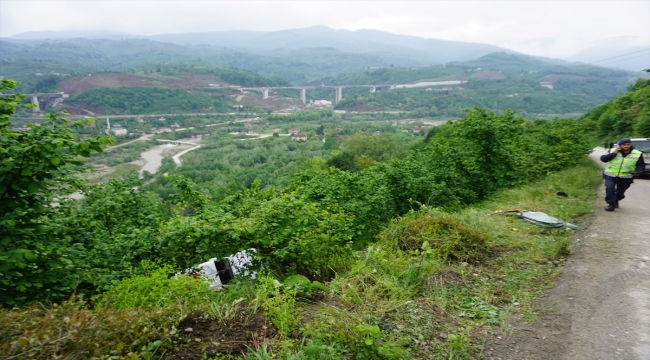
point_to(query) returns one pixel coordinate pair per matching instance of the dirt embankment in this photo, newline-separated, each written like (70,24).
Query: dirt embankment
(79,84)
(489,75)
(600,308)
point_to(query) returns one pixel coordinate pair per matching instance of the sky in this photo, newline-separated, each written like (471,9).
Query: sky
(557,29)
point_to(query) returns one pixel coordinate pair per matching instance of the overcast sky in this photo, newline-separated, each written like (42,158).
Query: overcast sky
(547,28)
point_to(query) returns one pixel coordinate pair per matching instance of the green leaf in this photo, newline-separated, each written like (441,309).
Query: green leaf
(369,341)
(55,161)
(32,187)
(29,255)
(297,281)
(319,286)
(27,172)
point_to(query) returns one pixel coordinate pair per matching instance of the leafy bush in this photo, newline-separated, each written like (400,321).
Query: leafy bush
(38,258)
(157,287)
(451,239)
(72,330)
(627,115)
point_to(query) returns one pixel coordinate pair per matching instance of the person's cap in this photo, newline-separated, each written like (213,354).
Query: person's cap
(624,140)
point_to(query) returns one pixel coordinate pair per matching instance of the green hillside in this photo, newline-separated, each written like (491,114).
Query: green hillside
(497,81)
(21,60)
(134,100)
(627,115)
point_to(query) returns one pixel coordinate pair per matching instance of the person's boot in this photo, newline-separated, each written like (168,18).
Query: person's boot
(610,207)
(616,204)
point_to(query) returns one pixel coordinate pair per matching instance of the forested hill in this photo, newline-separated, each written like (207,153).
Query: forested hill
(22,60)
(627,115)
(497,81)
(402,50)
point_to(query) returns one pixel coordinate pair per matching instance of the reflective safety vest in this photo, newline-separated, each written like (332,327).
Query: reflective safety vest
(623,166)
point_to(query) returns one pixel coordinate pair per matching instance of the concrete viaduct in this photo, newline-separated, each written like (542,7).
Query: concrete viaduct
(339,88)
(303,90)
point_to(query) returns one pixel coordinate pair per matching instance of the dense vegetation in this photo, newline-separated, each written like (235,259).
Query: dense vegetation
(142,100)
(576,89)
(427,255)
(627,115)
(473,158)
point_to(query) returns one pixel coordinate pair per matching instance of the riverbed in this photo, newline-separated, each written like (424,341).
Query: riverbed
(152,158)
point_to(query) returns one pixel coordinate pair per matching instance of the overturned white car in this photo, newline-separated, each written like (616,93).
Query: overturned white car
(220,272)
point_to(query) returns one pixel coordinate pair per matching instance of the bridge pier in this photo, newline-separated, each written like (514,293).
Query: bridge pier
(35,110)
(339,94)
(373,89)
(303,95)
(265,93)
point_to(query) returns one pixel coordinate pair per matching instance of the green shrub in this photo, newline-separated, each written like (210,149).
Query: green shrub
(156,288)
(448,236)
(71,330)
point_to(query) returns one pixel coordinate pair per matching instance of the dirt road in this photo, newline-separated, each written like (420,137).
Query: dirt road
(600,308)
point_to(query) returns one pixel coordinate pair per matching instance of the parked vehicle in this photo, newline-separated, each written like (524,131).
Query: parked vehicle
(643,145)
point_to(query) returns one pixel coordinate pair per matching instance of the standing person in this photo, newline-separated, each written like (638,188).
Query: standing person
(623,163)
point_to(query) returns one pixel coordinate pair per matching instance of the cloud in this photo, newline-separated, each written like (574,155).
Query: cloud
(549,28)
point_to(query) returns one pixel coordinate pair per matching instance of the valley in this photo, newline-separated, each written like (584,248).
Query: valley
(375,182)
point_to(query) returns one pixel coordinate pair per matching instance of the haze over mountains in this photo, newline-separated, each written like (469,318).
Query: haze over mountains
(400,50)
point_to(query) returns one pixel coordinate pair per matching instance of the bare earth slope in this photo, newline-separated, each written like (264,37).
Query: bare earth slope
(600,308)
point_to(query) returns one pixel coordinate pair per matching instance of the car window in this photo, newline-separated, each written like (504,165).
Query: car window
(642,145)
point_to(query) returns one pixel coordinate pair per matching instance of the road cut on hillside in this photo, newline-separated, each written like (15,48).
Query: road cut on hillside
(600,308)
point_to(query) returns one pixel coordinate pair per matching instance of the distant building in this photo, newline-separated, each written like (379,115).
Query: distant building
(299,137)
(118,130)
(416,130)
(322,103)
(339,137)
(294,131)
(547,84)
(376,132)
(162,118)
(139,119)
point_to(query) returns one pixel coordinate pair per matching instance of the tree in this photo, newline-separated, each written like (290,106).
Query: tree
(379,148)
(344,161)
(330,144)
(36,258)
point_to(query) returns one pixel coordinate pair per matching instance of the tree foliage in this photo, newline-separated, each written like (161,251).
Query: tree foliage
(627,115)
(35,176)
(51,244)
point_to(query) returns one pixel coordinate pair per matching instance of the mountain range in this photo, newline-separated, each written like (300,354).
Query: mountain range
(402,50)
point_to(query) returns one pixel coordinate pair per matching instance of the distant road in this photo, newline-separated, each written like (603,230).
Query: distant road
(143,137)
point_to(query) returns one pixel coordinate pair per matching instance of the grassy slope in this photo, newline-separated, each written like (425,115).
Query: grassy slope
(383,304)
